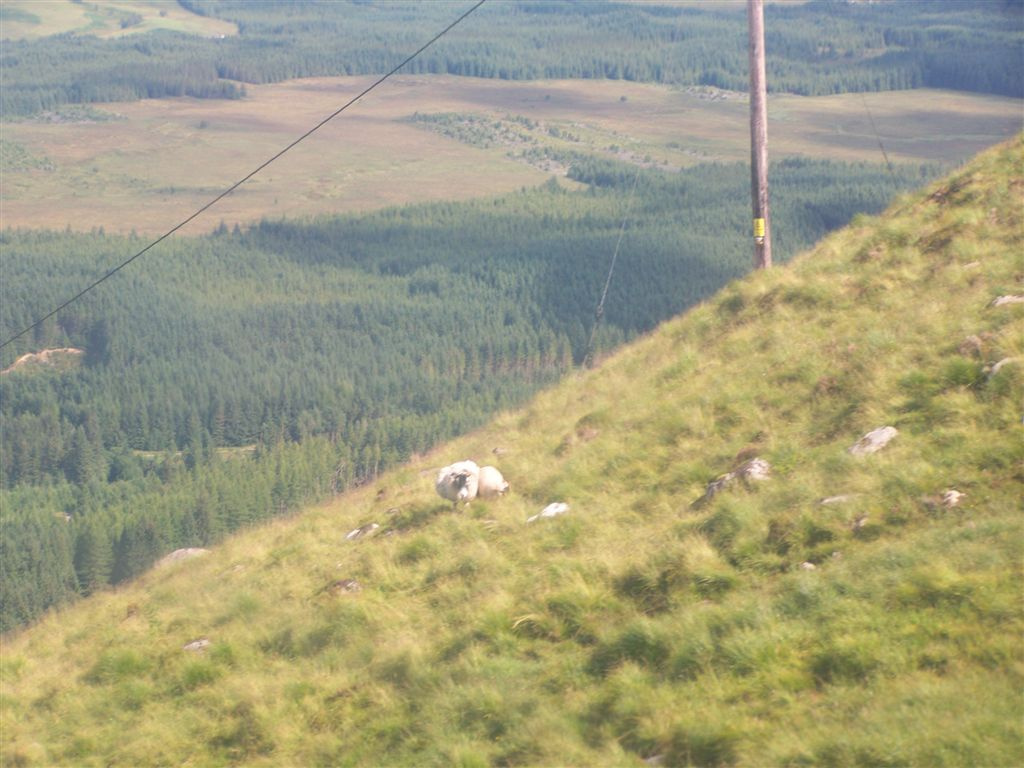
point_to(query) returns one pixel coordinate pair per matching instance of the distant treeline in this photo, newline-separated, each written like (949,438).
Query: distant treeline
(235,376)
(814,48)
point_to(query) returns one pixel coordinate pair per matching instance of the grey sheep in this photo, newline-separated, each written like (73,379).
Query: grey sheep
(458,482)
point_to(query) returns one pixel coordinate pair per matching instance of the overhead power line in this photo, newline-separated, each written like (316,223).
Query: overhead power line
(588,356)
(245,178)
(874,128)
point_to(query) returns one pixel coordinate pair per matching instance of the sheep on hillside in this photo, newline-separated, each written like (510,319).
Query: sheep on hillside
(491,484)
(458,482)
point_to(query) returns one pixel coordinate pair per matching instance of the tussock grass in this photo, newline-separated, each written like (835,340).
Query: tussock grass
(764,627)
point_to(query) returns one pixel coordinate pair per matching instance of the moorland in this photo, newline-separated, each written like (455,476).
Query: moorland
(137,165)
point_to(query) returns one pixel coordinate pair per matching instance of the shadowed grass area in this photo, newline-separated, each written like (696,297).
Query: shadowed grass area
(840,612)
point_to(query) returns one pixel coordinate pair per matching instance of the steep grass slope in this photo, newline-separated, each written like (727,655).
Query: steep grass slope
(637,626)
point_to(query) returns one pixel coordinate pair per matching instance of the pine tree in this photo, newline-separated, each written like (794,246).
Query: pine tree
(94,556)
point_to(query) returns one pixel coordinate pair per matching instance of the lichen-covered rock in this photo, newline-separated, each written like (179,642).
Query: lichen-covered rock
(952,497)
(186,553)
(551,510)
(1002,301)
(997,367)
(361,532)
(754,470)
(873,441)
(840,499)
(346,586)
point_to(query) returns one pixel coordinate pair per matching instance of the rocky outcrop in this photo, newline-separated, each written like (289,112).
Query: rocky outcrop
(551,510)
(873,441)
(181,554)
(1002,301)
(753,471)
(361,532)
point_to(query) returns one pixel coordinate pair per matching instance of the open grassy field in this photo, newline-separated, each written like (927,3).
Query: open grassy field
(21,19)
(842,611)
(161,159)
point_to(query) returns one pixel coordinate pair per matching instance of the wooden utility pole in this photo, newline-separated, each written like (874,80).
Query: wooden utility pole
(759,136)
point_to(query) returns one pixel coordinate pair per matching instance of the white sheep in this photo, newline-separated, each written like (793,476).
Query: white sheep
(491,484)
(458,482)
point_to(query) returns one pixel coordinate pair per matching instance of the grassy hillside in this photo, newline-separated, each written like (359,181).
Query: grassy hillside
(763,627)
